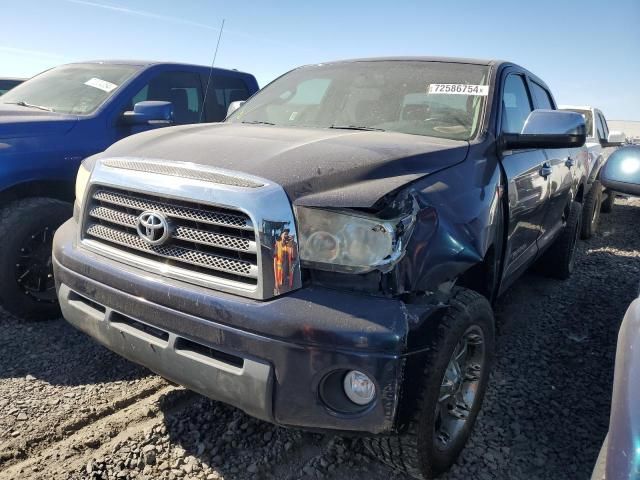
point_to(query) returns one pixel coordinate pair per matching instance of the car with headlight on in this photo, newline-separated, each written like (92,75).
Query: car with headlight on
(51,122)
(327,257)
(620,453)
(600,144)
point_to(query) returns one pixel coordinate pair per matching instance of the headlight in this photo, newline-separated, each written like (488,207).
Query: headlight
(82,180)
(348,242)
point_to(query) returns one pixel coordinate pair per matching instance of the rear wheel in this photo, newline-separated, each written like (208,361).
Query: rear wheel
(558,261)
(607,205)
(452,389)
(591,211)
(27,287)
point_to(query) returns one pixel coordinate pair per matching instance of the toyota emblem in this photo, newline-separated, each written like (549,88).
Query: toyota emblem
(153,228)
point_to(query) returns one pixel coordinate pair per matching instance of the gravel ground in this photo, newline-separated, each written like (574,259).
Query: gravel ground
(70,409)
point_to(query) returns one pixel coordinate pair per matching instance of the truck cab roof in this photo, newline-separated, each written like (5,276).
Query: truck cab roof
(150,63)
(577,107)
(472,61)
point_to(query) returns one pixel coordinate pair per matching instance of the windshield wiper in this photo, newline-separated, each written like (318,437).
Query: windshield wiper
(22,103)
(257,122)
(356,127)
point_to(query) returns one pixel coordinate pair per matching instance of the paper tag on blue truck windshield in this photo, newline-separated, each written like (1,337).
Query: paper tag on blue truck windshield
(458,89)
(101,84)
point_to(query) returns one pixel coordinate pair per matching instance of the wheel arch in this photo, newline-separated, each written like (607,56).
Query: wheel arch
(485,276)
(597,168)
(579,197)
(58,189)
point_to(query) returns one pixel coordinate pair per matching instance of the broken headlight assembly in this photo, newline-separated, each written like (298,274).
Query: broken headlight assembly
(350,242)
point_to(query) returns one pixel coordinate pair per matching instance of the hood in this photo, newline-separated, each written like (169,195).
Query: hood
(316,167)
(17,121)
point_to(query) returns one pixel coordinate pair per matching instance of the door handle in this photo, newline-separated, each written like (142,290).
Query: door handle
(570,162)
(546,170)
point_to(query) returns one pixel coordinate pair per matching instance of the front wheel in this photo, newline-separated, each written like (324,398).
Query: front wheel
(454,381)
(27,288)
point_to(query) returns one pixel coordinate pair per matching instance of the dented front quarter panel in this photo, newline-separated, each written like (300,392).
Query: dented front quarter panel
(455,226)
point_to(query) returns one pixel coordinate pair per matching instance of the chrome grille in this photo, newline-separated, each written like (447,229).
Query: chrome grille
(185,213)
(181,233)
(215,241)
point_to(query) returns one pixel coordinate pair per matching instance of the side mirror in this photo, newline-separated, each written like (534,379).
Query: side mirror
(615,139)
(621,172)
(150,112)
(548,129)
(233,106)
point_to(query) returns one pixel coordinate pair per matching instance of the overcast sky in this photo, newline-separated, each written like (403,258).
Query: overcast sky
(587,51)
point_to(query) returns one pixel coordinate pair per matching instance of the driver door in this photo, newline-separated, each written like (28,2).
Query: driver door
(527,186)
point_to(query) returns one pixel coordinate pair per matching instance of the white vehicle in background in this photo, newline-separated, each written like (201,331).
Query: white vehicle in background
(600,143)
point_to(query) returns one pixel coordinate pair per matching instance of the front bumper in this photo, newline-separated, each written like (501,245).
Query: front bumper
(267,358)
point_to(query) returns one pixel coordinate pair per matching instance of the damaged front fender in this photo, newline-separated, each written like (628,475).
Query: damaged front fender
(457,222)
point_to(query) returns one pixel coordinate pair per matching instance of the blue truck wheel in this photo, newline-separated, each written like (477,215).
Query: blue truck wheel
(27,288)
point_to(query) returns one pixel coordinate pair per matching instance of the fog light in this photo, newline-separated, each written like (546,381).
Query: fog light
(359,388)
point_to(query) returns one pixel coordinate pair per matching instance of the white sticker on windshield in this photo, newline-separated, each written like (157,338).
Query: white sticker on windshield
(101,84)
(458,89)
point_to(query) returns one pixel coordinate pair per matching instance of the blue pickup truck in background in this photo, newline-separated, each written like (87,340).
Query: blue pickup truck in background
(7,84)
(51,122)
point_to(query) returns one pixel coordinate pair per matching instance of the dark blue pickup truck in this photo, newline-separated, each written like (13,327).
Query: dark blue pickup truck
(54,120)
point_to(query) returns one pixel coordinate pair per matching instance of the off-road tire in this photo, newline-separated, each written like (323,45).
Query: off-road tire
(19,220)
(608,203)
(591,211)
(414,452)
(558,261)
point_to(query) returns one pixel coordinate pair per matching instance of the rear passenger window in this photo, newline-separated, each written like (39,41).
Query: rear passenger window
(543,99)
(222,91)
(605,127)
(516,104)
(600,128)
(182,89)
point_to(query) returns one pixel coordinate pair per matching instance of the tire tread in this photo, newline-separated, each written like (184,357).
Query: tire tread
(11,215)
(401,451)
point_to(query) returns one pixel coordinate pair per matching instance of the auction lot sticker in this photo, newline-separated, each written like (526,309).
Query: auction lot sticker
(458,89)
(101,84)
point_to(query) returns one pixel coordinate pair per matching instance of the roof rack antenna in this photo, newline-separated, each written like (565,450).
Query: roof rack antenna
(213,62)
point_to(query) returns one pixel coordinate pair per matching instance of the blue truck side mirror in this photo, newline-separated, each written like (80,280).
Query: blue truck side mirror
(150,112)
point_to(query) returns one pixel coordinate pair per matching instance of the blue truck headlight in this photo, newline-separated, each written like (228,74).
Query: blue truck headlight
(346,241)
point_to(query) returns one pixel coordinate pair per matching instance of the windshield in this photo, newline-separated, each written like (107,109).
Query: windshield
(588,118)
(436,99)
(78,89)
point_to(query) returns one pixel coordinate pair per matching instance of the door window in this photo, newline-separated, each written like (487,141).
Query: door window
(543,98)
(222,91)
(600,128)
(516,104)
(605,127)
(182,89)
